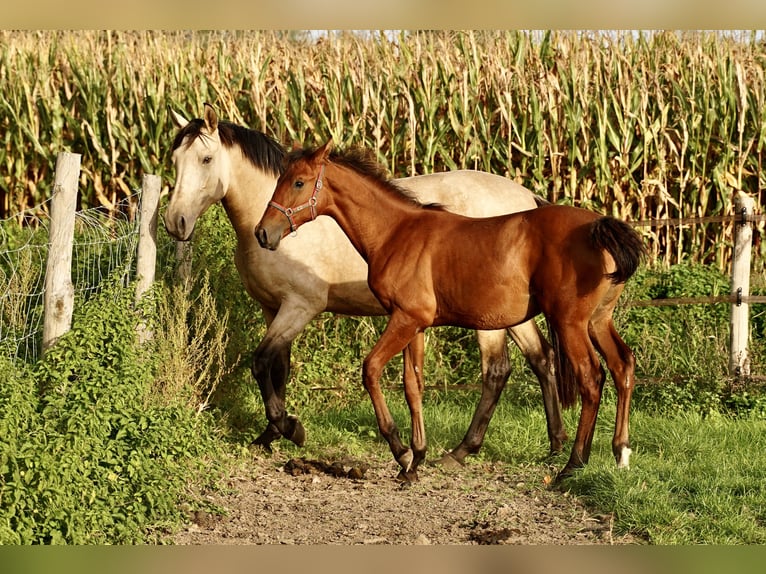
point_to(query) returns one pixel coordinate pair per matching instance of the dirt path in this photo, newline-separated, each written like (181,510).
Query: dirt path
(281,501)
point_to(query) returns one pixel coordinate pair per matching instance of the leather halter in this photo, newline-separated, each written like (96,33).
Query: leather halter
(311,203)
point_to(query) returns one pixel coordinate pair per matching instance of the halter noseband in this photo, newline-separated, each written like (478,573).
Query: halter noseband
(311,203)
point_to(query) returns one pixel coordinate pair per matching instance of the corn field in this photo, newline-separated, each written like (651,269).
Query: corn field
(636,125)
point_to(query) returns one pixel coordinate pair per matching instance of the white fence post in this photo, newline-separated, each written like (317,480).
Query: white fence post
(58,300)
(147,243)
(739,359)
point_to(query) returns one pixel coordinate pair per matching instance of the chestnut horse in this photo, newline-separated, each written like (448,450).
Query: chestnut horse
(319,270)
(430,267)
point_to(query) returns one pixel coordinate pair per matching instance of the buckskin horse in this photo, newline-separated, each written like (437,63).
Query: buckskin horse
(430,267)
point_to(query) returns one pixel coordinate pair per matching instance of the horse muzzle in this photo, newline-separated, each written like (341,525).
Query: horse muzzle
(178,227)
(267,239)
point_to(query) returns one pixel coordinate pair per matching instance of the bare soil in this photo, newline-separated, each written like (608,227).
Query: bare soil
(279,500)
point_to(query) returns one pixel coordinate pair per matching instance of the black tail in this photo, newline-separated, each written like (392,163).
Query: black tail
(622,242)
(566,382)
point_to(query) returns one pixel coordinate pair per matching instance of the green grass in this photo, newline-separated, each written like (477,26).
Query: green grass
(693,480)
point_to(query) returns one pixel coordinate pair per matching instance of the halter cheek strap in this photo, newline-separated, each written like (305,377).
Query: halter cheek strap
(311,204)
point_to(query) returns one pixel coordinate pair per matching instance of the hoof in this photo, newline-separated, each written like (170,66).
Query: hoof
(623,457)
(450,462)
(298,435)
(264,440)
(407,477)
(566,472)
(263,447)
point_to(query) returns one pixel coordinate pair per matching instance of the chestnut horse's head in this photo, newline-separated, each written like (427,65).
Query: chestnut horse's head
(297,196)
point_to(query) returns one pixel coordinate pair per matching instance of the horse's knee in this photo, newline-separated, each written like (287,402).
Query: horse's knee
(260,366)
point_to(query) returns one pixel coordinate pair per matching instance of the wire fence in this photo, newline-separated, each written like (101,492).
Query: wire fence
(105,245)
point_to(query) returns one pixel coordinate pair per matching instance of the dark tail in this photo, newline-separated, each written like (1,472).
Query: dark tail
(566,382)
(622,242)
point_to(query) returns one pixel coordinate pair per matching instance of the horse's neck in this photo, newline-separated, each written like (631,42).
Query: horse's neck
(368,216)
(246,199)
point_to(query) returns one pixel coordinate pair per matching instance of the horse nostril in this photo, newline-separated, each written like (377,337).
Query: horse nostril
(182,226)
(261,236)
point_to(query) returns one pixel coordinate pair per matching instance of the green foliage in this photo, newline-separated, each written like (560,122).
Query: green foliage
(191,355)
(85,455)
(681,350)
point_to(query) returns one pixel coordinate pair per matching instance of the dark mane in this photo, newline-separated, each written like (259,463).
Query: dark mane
(363,161)
(262,151)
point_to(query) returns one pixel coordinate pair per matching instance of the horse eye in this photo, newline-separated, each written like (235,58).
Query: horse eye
(298,184)
(207,159)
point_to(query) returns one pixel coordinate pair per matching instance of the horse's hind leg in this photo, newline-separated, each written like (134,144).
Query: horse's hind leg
(413,393)
(539,354)
(496,368)
(621,364)
(271,369)
(590,375)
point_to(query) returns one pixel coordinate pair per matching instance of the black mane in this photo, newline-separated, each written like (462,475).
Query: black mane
(363,161)
(262,151)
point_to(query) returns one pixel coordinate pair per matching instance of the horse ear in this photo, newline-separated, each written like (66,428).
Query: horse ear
(211,119)
(324,151)
(178,119)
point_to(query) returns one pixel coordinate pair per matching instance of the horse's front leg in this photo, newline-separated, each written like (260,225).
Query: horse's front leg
(271,369)
(397,334)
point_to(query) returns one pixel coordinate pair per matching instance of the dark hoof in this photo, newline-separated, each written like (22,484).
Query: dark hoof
(407,477)
(298,434)
(254,446)
(566,472)
(555,450)
(264,441)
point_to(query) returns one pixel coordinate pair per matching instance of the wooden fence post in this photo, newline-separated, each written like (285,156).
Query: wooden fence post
(183,260)
(739,359)
(147,243)
(58,300)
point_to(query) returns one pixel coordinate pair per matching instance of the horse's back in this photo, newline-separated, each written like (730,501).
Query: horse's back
(472,193)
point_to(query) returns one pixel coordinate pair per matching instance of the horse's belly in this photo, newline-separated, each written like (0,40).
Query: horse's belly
(485,306)
(487,318)
(353,299)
